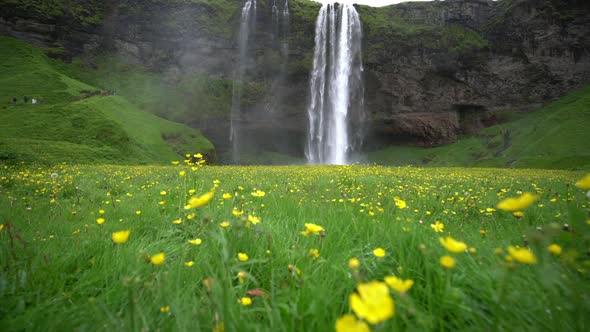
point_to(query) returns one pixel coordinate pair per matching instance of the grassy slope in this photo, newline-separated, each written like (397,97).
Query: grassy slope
(554,137)
(71,128)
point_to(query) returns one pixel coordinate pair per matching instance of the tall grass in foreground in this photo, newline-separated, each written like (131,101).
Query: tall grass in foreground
(61,269)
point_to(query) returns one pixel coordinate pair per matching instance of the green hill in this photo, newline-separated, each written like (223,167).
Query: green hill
(76,125)
(556,136)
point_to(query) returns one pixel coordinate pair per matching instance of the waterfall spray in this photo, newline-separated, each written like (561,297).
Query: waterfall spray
(335,111)
(247,26)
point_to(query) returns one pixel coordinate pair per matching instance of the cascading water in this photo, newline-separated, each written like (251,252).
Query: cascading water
(335,111)
(247,26)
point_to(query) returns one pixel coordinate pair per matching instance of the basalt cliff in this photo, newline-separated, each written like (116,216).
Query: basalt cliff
(432,70)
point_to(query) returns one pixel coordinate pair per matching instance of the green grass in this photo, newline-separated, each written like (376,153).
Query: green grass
(72,126)
(61,271)
(553,137)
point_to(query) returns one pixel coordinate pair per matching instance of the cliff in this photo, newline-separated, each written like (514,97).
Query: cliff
(433,70)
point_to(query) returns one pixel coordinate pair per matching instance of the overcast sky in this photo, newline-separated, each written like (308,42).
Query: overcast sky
(376,3)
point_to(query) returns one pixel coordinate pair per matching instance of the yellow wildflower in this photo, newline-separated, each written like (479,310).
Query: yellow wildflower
(138,212)
(242,276)
(258,193)
(245,301)
(372,302)
(189,264)
(518,204)
(399,285)
(121,236)
(522,255)
(224,224)
(165,309)
(191,216)
(227,196)
(158,259)
(349,323)
(236,212)
(163,193)
(379,252)
(177,221)
(196,241)
(182,173)
(401,204)
(584,183)
(253,219)
(438,226)
(100,221)
(453,245)
(1,227)
(198,155)
(312,229)
(354,263)
(518,214)
(242,257)
(555,249)
(447,262)
(314,253)
(101,212)
(202,200)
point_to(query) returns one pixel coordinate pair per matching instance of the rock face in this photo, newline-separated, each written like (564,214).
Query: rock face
(433,70)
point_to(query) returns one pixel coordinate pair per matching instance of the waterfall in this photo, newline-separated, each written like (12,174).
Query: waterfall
(335,110)
(247,26)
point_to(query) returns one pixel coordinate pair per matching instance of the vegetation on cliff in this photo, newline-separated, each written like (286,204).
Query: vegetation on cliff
(75,124)
(553,137)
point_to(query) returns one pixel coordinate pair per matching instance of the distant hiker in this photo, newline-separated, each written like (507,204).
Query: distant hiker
(14,100)
(26,99)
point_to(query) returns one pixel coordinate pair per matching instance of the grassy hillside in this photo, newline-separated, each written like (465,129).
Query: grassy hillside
(554,137)
(73,125)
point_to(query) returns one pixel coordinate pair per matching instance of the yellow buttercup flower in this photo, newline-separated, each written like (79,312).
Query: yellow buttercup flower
(258,193)
(349,323)
(138,212)
(202,200)
(189,264)
(312,229)
(438,226)
(195,241)
(158,259)
(453,245)
(584,183)
(237,213)
(253,219)
(554,249)
(447,262)
(242,257)
(379,252)
(182,173)
(163,193)
(518,204)
(372,302)
(227,196)
(224,224)
(401,204)
(354,263)
(522,255)
(100,221)
(101,212)
(518,214)
(165,309)
(121,236)
(399,285)
(314,253)
(1,227)
(245,301)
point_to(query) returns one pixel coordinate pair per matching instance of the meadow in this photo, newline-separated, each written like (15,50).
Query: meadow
(295,248)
